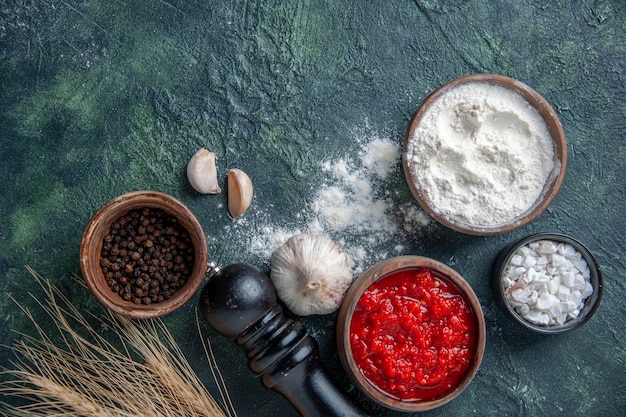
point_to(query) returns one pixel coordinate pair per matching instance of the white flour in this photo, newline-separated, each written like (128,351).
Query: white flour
(482,154)
(353,206)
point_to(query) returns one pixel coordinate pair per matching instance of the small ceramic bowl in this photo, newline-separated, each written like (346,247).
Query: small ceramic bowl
(504,262)
(551,187)
(404,268)
(100,225)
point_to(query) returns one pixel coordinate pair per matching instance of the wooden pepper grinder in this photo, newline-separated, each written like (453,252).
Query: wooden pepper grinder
(240,302)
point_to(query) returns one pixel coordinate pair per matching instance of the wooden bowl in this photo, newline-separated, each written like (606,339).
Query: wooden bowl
(100,225)
(551,186)
(386,269)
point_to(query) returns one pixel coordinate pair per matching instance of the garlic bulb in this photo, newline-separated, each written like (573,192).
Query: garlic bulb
(239,192)
(311,274)
(202,172)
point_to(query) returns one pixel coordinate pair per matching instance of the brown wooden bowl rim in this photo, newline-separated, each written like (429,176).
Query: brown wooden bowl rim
(354,293)
(552,185)
(91,246)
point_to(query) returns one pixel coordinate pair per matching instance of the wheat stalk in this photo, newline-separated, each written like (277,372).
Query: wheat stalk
(87,375)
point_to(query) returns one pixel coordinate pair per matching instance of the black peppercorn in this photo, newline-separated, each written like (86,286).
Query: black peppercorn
(149,275)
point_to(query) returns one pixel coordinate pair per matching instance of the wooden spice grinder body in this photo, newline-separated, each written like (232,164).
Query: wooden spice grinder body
(240,302)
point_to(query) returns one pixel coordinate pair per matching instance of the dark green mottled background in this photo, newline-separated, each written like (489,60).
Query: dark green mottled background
(102,97)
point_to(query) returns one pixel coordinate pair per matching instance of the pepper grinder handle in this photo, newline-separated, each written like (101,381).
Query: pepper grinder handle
(240,302)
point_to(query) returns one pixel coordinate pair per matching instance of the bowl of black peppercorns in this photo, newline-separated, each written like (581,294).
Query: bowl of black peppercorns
(143,254)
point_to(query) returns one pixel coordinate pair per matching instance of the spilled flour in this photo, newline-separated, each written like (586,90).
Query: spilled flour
(355,204)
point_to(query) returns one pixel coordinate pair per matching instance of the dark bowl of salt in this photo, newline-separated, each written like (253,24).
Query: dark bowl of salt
(549,283)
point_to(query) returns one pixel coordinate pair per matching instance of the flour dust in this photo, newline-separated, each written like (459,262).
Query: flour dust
(356,202)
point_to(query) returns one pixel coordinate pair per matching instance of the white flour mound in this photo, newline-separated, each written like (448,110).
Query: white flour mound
(482,154)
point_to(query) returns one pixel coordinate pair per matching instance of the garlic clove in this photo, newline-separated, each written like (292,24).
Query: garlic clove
(202,172)
(240,192)
(311,274)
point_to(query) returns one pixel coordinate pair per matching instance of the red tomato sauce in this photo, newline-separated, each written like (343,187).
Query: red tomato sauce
(412,335)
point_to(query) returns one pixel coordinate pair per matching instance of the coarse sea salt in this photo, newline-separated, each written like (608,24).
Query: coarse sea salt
(547,282)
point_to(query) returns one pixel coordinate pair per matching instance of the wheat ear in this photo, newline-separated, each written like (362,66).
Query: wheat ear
(85,374)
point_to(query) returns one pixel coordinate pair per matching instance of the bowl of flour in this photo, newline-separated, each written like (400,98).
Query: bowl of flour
(484,154)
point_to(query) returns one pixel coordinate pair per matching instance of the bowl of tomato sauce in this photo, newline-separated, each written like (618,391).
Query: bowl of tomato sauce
(411,333)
